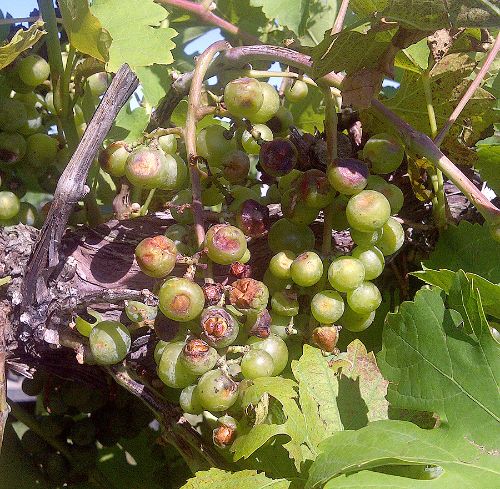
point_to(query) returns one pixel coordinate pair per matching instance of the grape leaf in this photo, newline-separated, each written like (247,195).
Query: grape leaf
(244,479)
(332,402)
(243,13)
(490,293)
(84,30)
(468,247)
(22,40)
(155,82)
(433,365)
(155,42)
(321,17)
(348,456)
(129,124)
(488,165)
(289,13)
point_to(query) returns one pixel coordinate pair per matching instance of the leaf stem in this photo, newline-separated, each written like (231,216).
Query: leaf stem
(339,20)
(149,198)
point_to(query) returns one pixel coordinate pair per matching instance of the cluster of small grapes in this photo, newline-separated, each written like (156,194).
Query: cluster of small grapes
(73,420)
(233,333)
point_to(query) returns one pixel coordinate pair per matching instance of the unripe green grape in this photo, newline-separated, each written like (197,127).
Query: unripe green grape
(217,391)
(297,211)
(212,144)
(392,193)
(31,100)
(98,83)
(57,467)
(280,325)
(246,257)
(385,153)
(159,349)
(285,303)
(296,91)
(168,143)
(243,97)
(177,173)
(13,115)
(288,181)
(346,273)
(348,175)
(257,363)
(365,240)
(33,70)
(327,306)
(171,371)
(270,104)
(235,166)
(225,244)
(9,205)
(34,122)
(109,342)
(281,121)
(274,284)
(138,312)
(276,347)
(495,231)
(250,145)
(306,269)
(365,298)
(41,150)
(28,214)
(49,102)
(356,322)
(393,237)
(149,168)
(189,400)
(114,158)
(156,256)
(367,211)
(314,189)
(198,357)
(12,147)
(372,259)
(218,328)
(285,234)
(82,432)
(280,263)
(181,299)
(182,215)
(85,325)
(211,196)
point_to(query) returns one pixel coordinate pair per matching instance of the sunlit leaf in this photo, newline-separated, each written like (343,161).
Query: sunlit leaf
(22,40)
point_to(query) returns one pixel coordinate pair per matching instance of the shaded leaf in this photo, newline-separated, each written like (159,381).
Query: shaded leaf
(129,124)
(21,41)
(289,13)
(308,114)
(155,81)
(244,479)
(488,165)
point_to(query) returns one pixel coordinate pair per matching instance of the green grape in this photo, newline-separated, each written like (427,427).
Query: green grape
(274,284)
(156,256)
(150,168)
(34,122)
(280,325)
(212,144)
(218,328)
(14,82)
(181,299)
(182,215)
(327,306)
(30,100)
(84,325)
(392,193)
(285,302)
(365,239)
(98,83)
(281,121)
(368,211)
(33,70)
(235,166)
(189,400)
(12,147)
(285,234)
(159,348)
(41,150)
(356,322)
(250,145)
(288,181)
(315,189)
(243,97)
(246,257)
(257,363)
(53,425)
(217,391)
(296,91)
(82,432)
(346,273)
(393,237)
(34,444)
(57,467)
(13,114)
(384,152)
(168,143)
(211,196)
(276,347)
(348,175)
(198,357)
(138,312)
(372,259)
(28,214)
(171,371)
(49,102)
(109,342)
(270,104)
(297,211)
(306,269)
(280,263)
(114,158)
(225,244)
(9,205)
(241,195)
(339,205)
(365,298)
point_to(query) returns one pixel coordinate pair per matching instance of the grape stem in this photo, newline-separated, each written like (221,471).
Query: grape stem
(339,20)
(194,103)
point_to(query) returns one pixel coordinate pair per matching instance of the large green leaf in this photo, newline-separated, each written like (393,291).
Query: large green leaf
(155,82)
(432,364)
(244,479)
(84,30)
(469,247)
(289,13)
(348,456)
(22,40)
(129,124)
(134,26)
(488,165)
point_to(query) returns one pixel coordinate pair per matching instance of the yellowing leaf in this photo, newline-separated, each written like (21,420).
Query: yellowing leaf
(21,41)
(244,479)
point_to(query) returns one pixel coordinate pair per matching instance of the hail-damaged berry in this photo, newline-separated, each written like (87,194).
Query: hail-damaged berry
(198,357)
(253,218)
(146,168)
(213,293)
(224,434)
(314,189)
(348,175)
(240,270)
(181,299)
(114,158)
(249,294)
(326,337)
(225,244)
(217,391)
(278,157)
(138,312)
(218,328)
(259,324)
(156,256)
(235,167)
